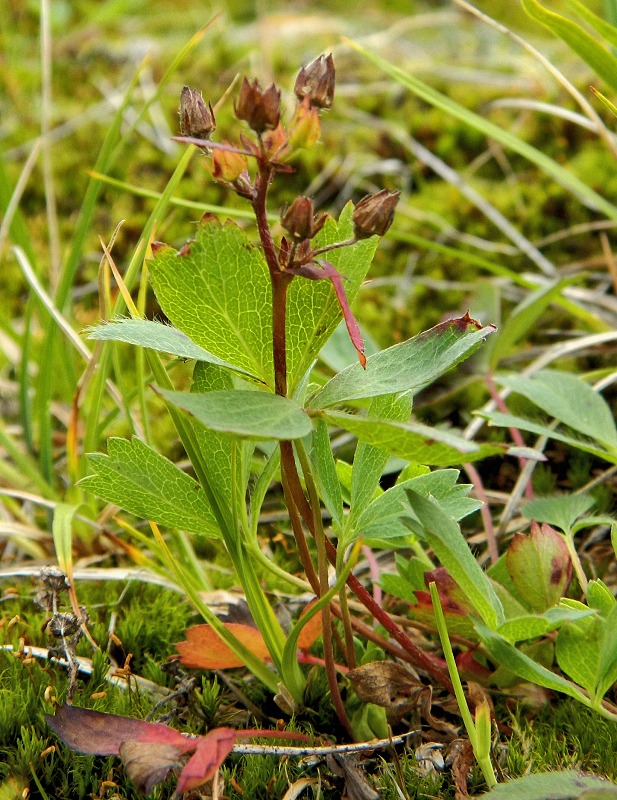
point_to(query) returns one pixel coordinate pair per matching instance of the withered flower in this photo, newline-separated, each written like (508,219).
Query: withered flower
(373,214)
(196,119)
(261,109)
(300,221)
(317,82)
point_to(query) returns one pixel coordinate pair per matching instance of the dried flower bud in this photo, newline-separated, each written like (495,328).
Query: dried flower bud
(373,215)
(227,165)
(305,127)
(195,119)
(317,82)
(262,110)
(300,221)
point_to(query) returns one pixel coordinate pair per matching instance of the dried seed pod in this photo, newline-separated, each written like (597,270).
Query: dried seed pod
(373,215)
(316,81)
(260,109)
(196,119)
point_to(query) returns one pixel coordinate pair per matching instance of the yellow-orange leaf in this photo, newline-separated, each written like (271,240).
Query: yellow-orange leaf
(203,649)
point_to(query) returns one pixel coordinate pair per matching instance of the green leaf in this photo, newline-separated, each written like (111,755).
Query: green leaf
(523,666)
(413,441)
(560,510)
(139,480)
(600,597)
(500,420)
(492,131)
(217,291)
(604,28)
(599,58)
(570,400)
(577,650)
(607,663)
(565,785)
(382,518)
(325,473)
(156,336)
(226,458)
(405,366)
(62,529)
(521,629)
(447,542)
(369,461)
(247,414)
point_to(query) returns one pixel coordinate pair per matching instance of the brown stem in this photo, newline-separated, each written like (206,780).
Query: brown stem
(291,490)
(280,282)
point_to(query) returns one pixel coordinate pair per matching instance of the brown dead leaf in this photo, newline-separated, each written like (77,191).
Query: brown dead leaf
(357,786)
(461,764)
(147,763)
(384,683)
(426,707)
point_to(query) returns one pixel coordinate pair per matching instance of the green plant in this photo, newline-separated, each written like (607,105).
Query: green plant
(255,319)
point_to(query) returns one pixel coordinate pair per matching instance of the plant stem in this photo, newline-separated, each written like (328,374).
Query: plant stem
(322,565)
(479,736)
(293,490)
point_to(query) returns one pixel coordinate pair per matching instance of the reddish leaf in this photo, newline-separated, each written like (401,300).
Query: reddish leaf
(327,271)
(470,669)
(450,594)
(99,734)
(211,751)
(147,763)
(457,618)
(204,649)
(540,566)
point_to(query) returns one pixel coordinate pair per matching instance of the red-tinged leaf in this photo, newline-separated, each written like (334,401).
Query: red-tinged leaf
(540,566)
(147,763)
(457,618)
(472,670)
(211,751)
(327,271)
(99,734)
(203,648)
(450,594)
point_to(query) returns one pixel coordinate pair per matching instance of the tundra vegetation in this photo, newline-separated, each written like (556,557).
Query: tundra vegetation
(308,400)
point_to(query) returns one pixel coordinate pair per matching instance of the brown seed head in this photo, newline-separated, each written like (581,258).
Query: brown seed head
(373,215)
(196,119)
(300,221)
(262,110)
(316,81)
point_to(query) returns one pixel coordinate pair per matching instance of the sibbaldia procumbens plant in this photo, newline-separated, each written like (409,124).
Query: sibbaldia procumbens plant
(254,316)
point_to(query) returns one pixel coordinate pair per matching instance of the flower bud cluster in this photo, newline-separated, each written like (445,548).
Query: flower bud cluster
(261,110)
